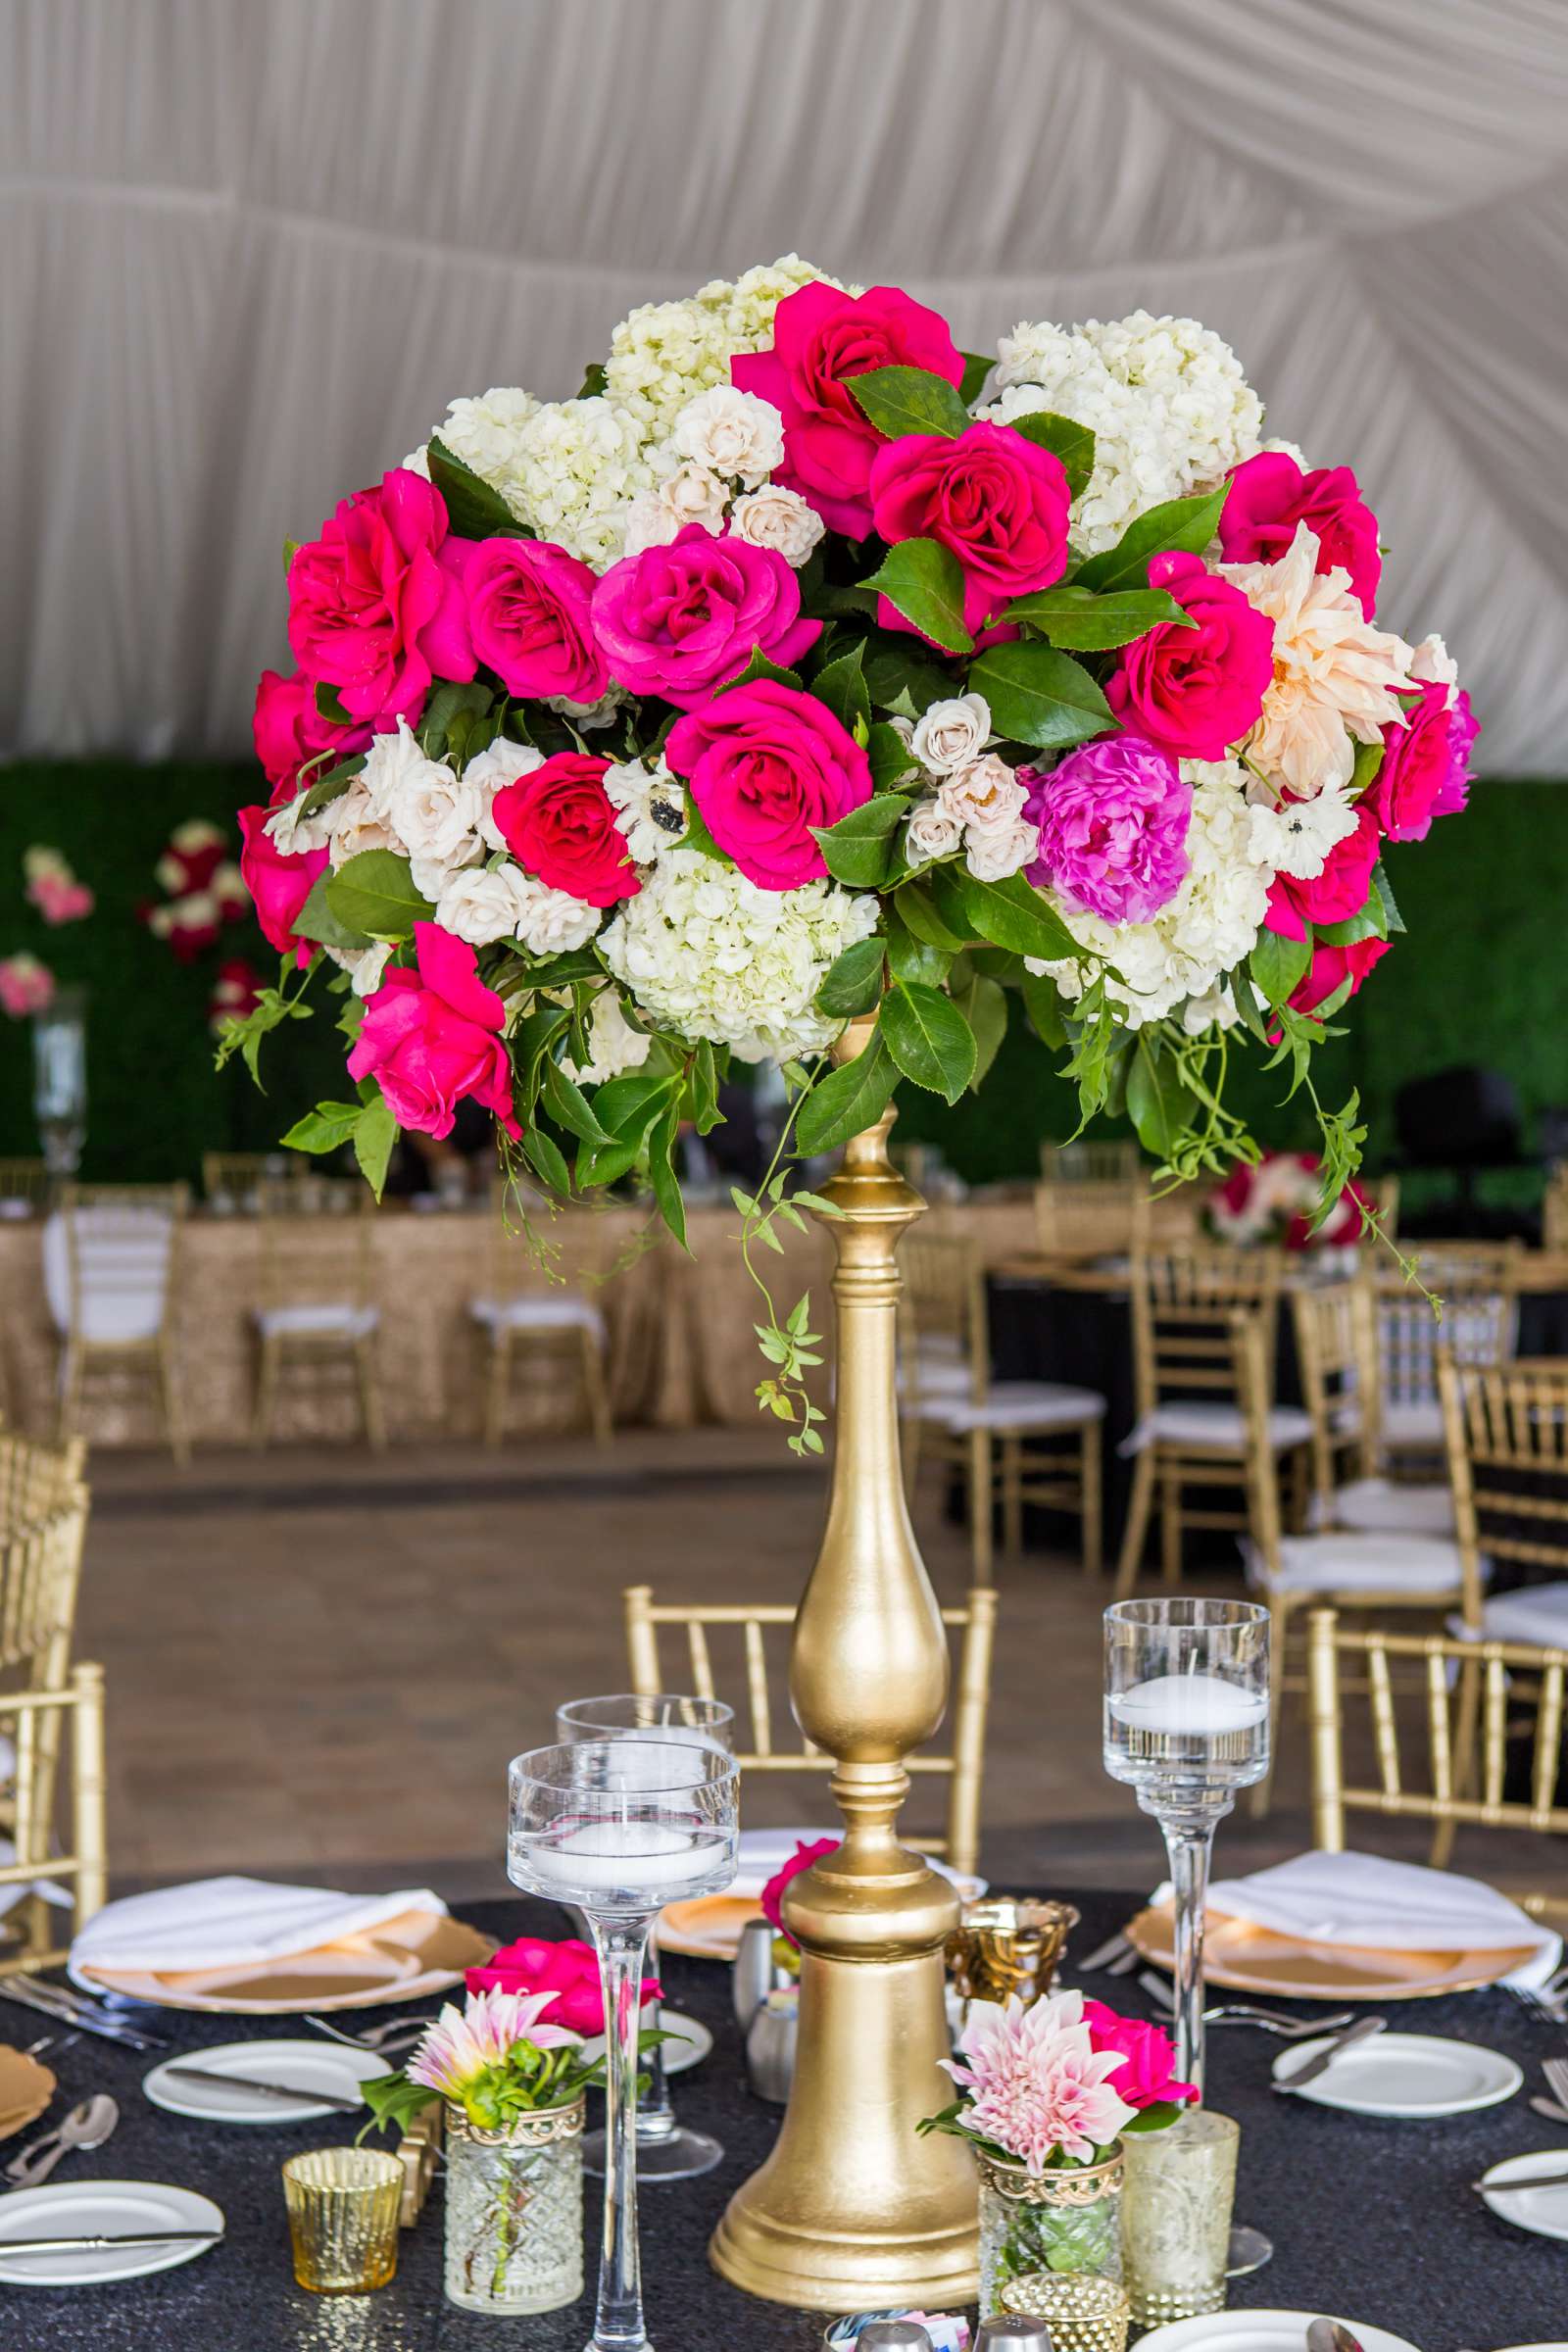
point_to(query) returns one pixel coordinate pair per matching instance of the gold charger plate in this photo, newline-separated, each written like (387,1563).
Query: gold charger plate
(26,2091)
(707,1926)
(403,1959)
(1246,1958)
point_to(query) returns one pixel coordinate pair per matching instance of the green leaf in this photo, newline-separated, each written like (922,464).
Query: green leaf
(925,580)
(919,911)
(625,1108)
(698,835)
(1038,696)
(1092,624)
(1370,921)
(1380,875)
(315,919)
(374,895)
(852,983)
(548,1160)
(942,881)
(908,400)
(842,686)
(661,1170)
(889,755)
(446,707)
(1364,769)
(1188,523)
(759,667)
(374,1139)
(703,1089)
(850,1098)
(1042,1001)
(985,1007)
(329,706)
(570,1109)
(330,785)
(1013,914)
(327,1127)
(473,509)
(976,367)
(929,1039)
(912,958)
(1278,963)
(594,382)
(858,847)
(1157,1102)
(606,1163)
(904,674)
(1065,438)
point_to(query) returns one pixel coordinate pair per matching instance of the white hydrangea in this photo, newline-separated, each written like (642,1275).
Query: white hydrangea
(1165,398)
(649,806)
(667,351)
(579,464)
(710,954)
(613,1045)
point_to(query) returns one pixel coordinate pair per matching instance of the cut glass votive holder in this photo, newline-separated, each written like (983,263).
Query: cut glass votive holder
(1178,2188)
(343,2218)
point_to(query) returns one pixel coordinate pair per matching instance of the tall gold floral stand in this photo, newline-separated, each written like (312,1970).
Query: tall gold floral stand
(853,2210)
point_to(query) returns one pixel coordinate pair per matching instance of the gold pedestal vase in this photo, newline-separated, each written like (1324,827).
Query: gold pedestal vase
(853,2211)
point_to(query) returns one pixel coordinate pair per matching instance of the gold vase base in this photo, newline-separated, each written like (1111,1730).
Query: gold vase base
(811,2270)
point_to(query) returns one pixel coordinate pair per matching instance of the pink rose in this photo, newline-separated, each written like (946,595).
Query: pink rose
(1331,967)
(821,337)
(1112,818)
(433,1038)
(288,729)
(679,620)
(1426,764)
(1197,690)
(61,898)
(1147,2076)
(558,823)
(528,617)
(278,886)
(765,764)
(375,604)
(26,986)
(568,1969)
(1340,891)
(773,1897)
(1270,495)
(990,495)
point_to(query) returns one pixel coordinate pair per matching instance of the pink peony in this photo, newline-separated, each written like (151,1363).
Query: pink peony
(1270,495)
(1147,2076)
(288,729)
(1340,891)
(998,500)
(1195,690)
(1112,818)
(432,1038)
(682,619)
(766,763)
(529,618)
(805,1853)
(558,822)
(1331,967)
(567,1969)
(1426,764)
(821,337)
(376,606)
(279,887)
(1036,2082)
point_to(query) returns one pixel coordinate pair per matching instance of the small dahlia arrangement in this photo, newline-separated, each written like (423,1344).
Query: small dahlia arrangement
(1056,2082)
(1278,1201)
(806,668)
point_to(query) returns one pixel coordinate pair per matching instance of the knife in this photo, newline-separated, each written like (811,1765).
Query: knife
(1502,2188)
(1361,2031)
(296,2095)
(44,2002)
(139,2238)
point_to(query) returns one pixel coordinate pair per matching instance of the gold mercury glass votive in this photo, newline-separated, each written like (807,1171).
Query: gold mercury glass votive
(1006,1943)
(1083,2312)
(1179,2187)
(343,2218)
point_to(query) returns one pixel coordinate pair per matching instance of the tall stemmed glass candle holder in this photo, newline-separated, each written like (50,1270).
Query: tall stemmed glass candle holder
(665,2149)
(619,1828)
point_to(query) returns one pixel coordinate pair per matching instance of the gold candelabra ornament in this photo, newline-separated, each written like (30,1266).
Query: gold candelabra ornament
(854,2210)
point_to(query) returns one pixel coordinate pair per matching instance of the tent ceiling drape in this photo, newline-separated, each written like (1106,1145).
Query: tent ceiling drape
(252,247)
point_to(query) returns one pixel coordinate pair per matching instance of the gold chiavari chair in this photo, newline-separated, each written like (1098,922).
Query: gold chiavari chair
(554,1335)
(1506,1426)
(1554,1212)
(1338,1363)
(1092,1219)
(1118,1162)
(317,1310)
(1189,1431)
(1517,1680)
(111,1262)
(25,1181)
(37,1480)
(233,1181)
(42,1698)
(963,1766)
(1478,1284)
(1017,1442)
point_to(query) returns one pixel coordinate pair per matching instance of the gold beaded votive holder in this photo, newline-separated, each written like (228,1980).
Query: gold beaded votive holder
(1006,1944)
(1179,2187)
(1084,2312)
(343,2218)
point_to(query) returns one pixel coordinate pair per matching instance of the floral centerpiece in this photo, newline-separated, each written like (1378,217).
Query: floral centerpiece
(804,667)
(1278,1200)
(1047,2092)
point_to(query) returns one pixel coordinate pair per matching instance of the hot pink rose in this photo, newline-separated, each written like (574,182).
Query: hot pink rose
(1147,2076)
(278,885)
(765,764)
(288,729)
(1331,967)
(568,1969)
(433,1038)
(773,1896)
(1270,495)
(821,337)
(1426,764)
(1112,818)
(558,822)
(528,617)
(1197,690)
(1340,891)
(991,496)
(376,606)
(679,620)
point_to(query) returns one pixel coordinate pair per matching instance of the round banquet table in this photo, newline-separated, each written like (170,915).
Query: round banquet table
(1371,2220)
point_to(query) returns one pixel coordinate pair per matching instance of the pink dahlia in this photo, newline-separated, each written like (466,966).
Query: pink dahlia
(463,2044)
(1036,2084)
(1112,818)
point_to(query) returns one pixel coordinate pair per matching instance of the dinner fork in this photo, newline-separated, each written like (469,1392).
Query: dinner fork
(1555,2071)
(377,2038)
(1242,2013)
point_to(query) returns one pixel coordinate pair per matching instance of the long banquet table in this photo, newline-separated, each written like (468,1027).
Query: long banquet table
(1373,2220)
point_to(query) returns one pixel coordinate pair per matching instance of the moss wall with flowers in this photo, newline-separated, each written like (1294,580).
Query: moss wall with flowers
(1481,976)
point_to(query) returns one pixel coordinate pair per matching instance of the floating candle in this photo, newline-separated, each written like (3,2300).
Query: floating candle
(626,1858)
(1188,1706)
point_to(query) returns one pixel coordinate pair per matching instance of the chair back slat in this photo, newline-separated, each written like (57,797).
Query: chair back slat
(1504,1430)
(1088,1219)
(1337,1380)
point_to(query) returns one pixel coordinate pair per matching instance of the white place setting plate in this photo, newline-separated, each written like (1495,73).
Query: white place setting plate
(1506,2189)
(328,2066)
(692,2047)
(100,2209)
(1404,2075)
(1260,2331)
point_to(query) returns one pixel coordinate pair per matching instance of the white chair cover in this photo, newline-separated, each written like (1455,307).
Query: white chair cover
(123,1259)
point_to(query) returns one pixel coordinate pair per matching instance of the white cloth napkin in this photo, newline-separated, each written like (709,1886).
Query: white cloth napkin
(232,1923)
(1362,1899)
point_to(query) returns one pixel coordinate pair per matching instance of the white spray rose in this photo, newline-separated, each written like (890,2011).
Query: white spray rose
(931,833)
(952,734)
(550,921)
(498,765)
(731,433)
(780,518)
(482,906)
(992,855)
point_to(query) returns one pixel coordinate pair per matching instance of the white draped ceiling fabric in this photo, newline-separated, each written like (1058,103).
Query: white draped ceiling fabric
(251,249)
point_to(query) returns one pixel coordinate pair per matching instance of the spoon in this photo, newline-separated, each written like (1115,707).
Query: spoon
(85,2127)
(1327,2335)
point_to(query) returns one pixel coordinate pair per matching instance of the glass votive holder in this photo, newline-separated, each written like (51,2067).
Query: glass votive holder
(343,2218)
(1178,2189)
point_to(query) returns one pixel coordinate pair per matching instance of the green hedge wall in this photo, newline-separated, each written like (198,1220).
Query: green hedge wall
(1482,976)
